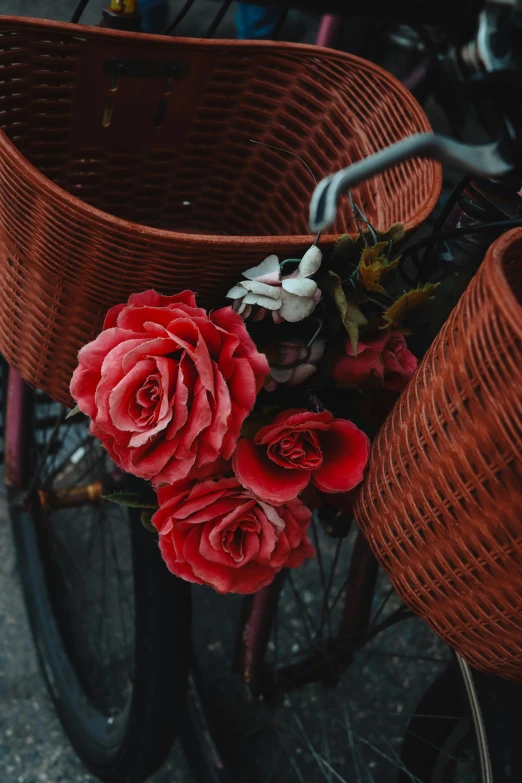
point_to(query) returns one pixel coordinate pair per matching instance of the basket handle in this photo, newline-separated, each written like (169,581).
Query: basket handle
(485,160)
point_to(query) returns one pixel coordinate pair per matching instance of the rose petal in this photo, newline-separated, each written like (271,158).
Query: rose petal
(83,389)
(127,388)
(259,314)
(154,299)
(199,417)
(301,374)
(281,376)
(345,449)
(293,419)
(367,368)
(178,567)
(111,319)
(263,477)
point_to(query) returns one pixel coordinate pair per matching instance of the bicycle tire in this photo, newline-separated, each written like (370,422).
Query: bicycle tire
(436,731)
(140,740)
(252,723)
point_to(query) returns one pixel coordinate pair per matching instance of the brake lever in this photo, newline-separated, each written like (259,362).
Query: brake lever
(485,160)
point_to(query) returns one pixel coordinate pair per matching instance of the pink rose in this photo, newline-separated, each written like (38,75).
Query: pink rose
(298,447)
(167,387)
(216,532)
(295,363)
(381,361)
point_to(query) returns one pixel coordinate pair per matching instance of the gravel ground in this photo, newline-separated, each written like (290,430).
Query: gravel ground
(33,748)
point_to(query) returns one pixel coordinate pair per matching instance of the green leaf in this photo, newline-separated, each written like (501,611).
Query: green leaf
(343,249)
(347,251)
(408,301)
(145,520)
(393,234)
(73,412)
(351,316)
(130,500)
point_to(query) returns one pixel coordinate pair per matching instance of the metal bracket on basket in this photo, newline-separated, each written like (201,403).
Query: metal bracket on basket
(484,160)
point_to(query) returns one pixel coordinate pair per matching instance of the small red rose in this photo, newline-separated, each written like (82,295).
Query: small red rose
(216,532)
(299,446)
(381,361)
(167,387)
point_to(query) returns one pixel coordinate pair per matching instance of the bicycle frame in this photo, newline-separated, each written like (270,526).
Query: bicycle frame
(18,397)
(256,624)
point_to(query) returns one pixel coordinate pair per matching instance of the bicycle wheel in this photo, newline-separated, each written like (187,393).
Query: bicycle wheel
(110,624)
(438,744)
(325,706)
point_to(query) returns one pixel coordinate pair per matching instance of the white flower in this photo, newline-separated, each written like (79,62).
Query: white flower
(289,298)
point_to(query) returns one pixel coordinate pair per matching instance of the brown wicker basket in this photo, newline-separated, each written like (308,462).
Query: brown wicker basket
(126,163)
(442,503)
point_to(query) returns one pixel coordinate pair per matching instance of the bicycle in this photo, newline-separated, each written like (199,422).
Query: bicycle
(126,749)
(433,743)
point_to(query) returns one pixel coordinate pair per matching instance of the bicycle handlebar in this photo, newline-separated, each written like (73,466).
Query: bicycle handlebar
(484,160)
(490,67)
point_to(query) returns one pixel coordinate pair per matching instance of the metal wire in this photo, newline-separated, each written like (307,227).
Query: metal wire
(457,232)
(78,11)
(444,215)
(218,18)
(179,17)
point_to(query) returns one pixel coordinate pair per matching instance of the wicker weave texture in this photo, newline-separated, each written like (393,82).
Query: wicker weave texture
(111,186)
(442,503)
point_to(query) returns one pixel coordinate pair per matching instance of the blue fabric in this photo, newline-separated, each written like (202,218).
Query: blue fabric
(254,21)
(154,15)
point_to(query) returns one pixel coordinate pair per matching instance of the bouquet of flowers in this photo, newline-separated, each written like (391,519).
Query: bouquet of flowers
(241,419)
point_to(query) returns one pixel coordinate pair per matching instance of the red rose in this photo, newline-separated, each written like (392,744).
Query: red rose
(216,532)
(298,446)
(167,387)
(380,361)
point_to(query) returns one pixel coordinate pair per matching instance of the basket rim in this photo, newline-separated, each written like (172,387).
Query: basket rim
(90,213)
(509,303)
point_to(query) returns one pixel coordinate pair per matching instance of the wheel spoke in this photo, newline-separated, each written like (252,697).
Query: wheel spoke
(355,754)
(386,756)
(406,657)
(303,611)
(43,457)
(320,565)
(379,611)
(325,608)
(353,733)
(57,469)
(85,536)
(322,763)
(399,763)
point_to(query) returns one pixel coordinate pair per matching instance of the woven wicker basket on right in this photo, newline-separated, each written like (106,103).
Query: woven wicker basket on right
(442,503)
